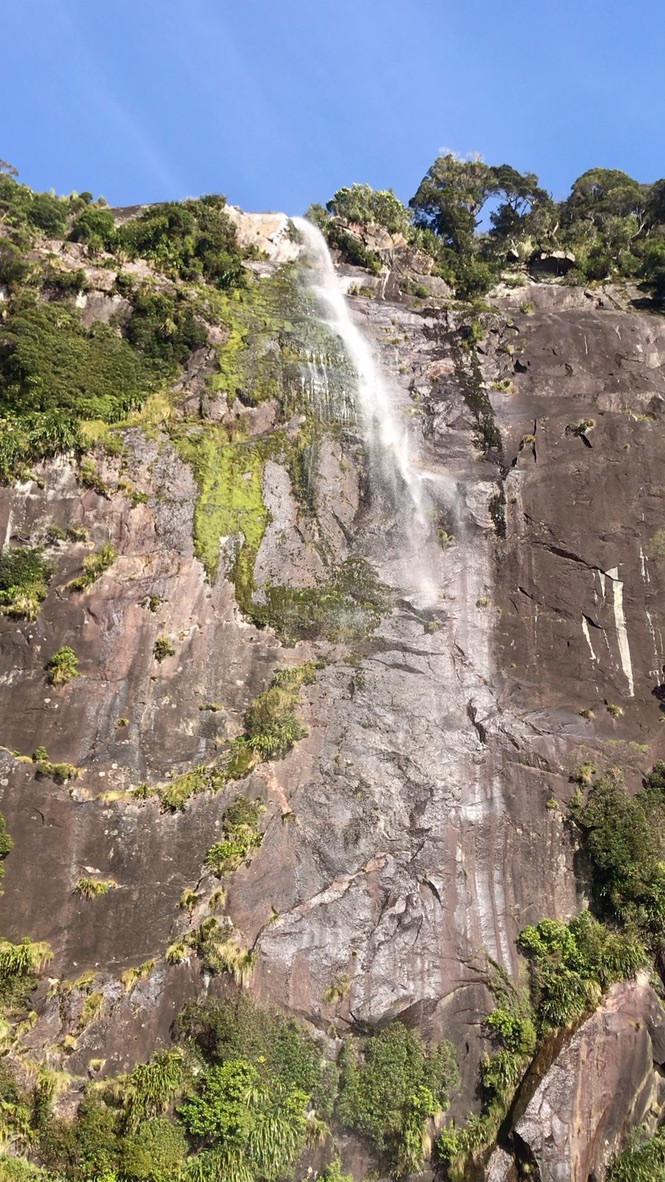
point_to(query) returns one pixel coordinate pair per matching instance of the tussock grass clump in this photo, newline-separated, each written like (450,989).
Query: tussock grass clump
(62,666)
(24,579)
(94,566)
(241,836)
(90,888)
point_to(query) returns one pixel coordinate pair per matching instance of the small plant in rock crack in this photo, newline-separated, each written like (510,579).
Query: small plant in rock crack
(45,767)
(89,888)
(94,566)
(163,648)
(241,836)
(62,666)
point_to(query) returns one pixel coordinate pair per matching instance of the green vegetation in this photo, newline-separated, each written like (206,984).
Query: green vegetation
(241,836)
(164,327)
(238,1098)
(187,240)
(572,964)
(49,362)
(27,438)
(60,772)
(6,844)
(278,1046)
(271,723)
(390,1085)
(345,608)
(19,963)
(248,1130)
(511,1028)
(229,503)
(610,226)
(623,837)
(89,888)
(220,952)
(139,972)
(94,566)
(62,666)
(271,729)
(24,578)
(364,205)
(643,1160)
(163,648)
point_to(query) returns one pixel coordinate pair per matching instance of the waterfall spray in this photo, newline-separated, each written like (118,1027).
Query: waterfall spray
(385,433)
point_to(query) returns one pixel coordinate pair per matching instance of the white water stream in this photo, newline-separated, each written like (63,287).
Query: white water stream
(395,479)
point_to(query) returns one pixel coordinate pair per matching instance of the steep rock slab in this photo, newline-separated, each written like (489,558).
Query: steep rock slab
(603,1083)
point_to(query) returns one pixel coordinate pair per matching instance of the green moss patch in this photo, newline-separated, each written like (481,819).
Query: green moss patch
(229,504)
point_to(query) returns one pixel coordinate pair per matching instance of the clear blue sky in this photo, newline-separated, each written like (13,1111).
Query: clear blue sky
(279,102)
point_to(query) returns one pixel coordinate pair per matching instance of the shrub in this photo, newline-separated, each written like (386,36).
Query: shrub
(154,1153)
(390,1090)
(49,361)
(62,666)
(256,1131)
(60,772)
(364,205)
(271,724)
(18,964)
(643,1160)
(164,327)
(163,648)
(572,964)
(26,438)
(24,578)
(14,268)
(150,1088)
(220,952)
(95,227)
(279,1048)
(139,972)
(89,477)
(188,240)
(48,213)
(623,837)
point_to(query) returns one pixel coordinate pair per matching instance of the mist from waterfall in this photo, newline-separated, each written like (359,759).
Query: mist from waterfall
(396,484)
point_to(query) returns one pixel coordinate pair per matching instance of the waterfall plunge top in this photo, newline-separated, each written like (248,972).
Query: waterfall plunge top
(383,430)
(410,552)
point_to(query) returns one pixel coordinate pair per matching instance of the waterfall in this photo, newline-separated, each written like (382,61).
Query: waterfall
(396,484)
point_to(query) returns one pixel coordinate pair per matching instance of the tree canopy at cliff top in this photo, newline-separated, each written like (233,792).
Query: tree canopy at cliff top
(475,219)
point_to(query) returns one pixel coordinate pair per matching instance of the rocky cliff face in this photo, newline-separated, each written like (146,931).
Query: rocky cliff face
(419,824)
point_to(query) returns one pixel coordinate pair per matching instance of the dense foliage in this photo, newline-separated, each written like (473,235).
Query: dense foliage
(623,837)
(476,220)
(390,1087)
(55,370)
(572,964)
(643,1160)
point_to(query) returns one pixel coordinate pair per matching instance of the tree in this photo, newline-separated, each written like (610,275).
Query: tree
(601,191)
(521,195)
(255,1130)
(363,204)
(450,198)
